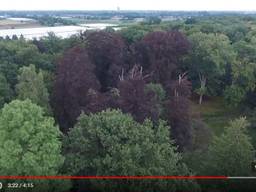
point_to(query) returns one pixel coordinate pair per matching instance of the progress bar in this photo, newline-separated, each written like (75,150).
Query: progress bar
(241,177)
(64,177)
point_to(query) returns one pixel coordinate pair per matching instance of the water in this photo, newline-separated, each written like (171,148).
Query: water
(61,31)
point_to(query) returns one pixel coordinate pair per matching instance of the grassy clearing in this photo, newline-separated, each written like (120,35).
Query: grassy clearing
(216,114)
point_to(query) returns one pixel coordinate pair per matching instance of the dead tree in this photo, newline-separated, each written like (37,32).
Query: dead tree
(202,90)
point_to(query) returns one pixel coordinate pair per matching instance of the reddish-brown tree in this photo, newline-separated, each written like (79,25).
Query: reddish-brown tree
(159,52)
(134,99)
(108,52)
(178,111)
(74,77)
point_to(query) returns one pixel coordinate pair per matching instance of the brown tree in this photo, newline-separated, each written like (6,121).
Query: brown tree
(74,78)
(178,111)
(159,52)
(134,99)
(108,52)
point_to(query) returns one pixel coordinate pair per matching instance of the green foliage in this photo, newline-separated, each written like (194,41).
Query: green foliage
(246,50)
(160,96)
(157,89)
(54,21)
(234,95)
(152,21)
(244,70)
(244,75)
(31,86)
(29,142)
(19,53)
(9,70)
(112,143)
(232,153)
(210,53)
(134,33)
(48,77)
(5,91)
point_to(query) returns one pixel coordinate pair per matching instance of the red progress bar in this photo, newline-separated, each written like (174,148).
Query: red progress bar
(114,177)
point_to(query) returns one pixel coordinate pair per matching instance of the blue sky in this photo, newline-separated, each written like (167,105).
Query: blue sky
(248,5)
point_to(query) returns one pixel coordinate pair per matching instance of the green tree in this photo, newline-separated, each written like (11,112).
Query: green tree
(234,94)
(19,53)
(31,86)
(243,71)
(157,89)
(160,96)
(29,142)
(133,34)
(5,90)
(210,54)
(232,153)
(112,143)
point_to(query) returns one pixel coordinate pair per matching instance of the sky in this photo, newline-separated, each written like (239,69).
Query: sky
(244,5)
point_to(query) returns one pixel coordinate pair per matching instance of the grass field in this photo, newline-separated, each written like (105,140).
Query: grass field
(12,24)
(216,114)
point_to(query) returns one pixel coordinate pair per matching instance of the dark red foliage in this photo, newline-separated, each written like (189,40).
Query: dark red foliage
(107,51)
(179,118)
(178,112)
(98,101)
(133,97)
(75,76)
(159,52)
(94,78)
(180,87)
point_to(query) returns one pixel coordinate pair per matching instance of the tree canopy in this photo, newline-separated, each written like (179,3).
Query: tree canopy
(30,142)
(112,143)
(31,86)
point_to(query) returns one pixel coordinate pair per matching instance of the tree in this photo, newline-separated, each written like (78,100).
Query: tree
(160,96)
(135,98)
(232,153)
(208,58)
(178,111)
(31,86)
(112,143)
(107,51)
(74,78)
(19,53)
(159,53)
(29,142)
(5,91)
(243,82)
(133,33)
(152,21)
(234,94)
(201,91)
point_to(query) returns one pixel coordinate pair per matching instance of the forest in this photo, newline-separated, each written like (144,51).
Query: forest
(155,98)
